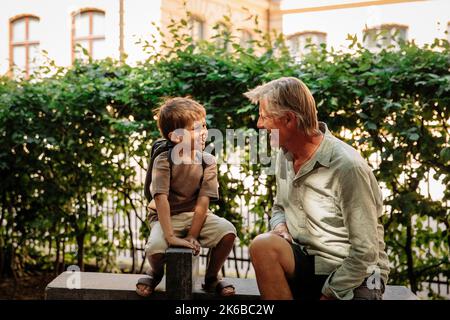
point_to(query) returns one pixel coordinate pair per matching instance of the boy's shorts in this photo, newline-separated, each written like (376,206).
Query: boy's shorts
(306,285)
(213,230)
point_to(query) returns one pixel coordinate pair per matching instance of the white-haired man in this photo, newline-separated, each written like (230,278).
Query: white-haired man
(326,241)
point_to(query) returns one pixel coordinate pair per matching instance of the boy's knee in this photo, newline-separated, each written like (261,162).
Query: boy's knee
(156,246)
(229,237)
(232,229)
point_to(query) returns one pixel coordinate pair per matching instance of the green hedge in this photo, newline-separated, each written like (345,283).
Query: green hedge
(70,133)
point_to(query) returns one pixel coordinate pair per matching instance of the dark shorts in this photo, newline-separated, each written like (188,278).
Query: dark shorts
(306,285)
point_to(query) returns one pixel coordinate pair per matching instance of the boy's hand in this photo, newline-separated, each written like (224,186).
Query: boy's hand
(195,242)
(178,242)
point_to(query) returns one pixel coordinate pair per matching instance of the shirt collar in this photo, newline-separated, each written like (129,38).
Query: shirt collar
(323,152)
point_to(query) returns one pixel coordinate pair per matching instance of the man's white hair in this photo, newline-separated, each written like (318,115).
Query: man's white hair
(288,94)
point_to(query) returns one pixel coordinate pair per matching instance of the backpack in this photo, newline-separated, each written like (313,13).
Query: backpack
(158,147)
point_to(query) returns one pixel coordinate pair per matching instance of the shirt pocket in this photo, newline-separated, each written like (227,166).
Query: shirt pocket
(322,209)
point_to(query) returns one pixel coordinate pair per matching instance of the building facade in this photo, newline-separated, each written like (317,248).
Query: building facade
(67,29)
(376,23)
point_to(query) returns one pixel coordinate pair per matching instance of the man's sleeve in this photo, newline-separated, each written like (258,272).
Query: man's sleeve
(361,202)
(278,216)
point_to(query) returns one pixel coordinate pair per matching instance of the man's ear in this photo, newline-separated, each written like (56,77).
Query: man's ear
(174,138)
(291,118)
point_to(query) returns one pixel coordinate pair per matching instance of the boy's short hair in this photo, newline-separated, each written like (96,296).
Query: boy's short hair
(176,113)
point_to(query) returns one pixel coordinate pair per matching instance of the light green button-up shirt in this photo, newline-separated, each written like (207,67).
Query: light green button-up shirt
(331,206)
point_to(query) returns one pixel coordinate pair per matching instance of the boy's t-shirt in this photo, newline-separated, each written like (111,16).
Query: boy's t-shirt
(183,185)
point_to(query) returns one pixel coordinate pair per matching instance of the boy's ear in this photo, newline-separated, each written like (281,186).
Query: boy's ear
(174,138)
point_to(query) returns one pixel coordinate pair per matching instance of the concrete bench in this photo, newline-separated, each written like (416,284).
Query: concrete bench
(180,283)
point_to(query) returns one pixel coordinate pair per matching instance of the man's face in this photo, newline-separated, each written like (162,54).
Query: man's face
(273,124)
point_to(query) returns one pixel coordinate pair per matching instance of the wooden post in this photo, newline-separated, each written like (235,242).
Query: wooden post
(181,273)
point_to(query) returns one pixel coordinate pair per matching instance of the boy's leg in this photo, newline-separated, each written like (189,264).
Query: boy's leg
(156,272)
(219,255)
(155,252)
(219,234)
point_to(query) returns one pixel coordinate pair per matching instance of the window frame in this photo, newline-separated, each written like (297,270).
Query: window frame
(384,27)
(197,18)
(25,43)
(306,33)
(90,38)
(448,31)
(247,38)
(226,27)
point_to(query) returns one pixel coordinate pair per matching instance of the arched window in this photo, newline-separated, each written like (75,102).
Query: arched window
(301,43)
(385,35)
(23,43)
(246,39)
(223,35)
(88,31)
(197,27)
(448,31)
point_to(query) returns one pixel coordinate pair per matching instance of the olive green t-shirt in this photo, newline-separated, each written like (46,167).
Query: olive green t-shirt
(184,184)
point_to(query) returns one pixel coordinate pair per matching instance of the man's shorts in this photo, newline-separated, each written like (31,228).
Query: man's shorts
(306,285)
(213,230)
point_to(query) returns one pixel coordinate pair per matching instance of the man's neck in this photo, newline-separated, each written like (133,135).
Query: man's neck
(303,147)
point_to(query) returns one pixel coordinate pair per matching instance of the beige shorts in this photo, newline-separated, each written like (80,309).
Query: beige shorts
(213,230)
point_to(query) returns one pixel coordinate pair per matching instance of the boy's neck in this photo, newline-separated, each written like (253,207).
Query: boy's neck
(191,155)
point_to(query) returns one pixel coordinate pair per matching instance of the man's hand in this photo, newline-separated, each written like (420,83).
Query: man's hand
(195,242)
(282,231)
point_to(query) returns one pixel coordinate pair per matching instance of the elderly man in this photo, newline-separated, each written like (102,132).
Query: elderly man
(326,241)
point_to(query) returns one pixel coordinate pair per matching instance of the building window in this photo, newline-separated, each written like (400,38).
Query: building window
(246,39)
(88,32)
(197,27)
(302,43)
(384,36)
(448,31)
(24,44)
(223,35)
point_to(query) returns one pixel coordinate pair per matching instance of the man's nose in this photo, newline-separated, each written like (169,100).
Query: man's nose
(260,123)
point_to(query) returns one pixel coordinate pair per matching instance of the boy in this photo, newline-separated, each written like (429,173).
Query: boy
(181,191)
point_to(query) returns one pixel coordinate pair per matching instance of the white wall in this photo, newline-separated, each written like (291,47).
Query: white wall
(55,25)
(138,17)
(423,19)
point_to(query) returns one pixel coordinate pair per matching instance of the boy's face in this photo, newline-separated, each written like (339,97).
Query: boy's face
(194,135)
(198,134)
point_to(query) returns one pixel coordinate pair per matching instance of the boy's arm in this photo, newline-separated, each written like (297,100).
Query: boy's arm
(201,207)
(163,209)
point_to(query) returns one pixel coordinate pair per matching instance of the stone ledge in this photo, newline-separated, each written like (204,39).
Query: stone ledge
(113,286)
